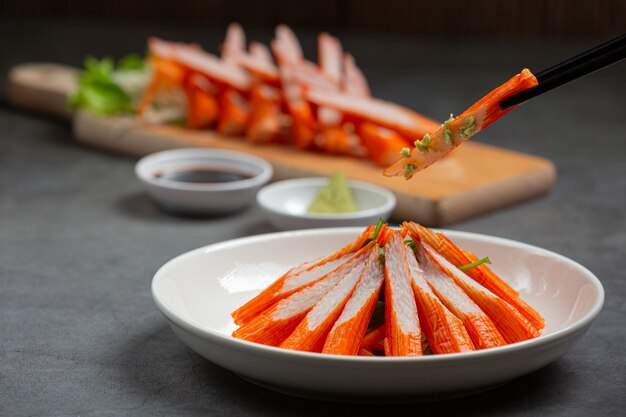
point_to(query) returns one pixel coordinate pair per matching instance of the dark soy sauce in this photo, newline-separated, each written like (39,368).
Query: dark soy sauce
(202,176)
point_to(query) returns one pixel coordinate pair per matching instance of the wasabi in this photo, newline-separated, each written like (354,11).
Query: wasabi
(335,197)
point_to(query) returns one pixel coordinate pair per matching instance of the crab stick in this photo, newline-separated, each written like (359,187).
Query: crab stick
(374,339)
(304,124)
(275,324)
(330,54)
(383,145)
(379,112)
(354,82)
(234,113)
(194,58)
(481,274)
(234,43)
(346,335)
(437,142)
(512,325)
(444,331)
(311,332)
(479,326)
(264,124)
(298,278)
(403,334)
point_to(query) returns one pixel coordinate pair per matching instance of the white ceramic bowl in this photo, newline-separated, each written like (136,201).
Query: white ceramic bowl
(195,198)
(285,204)
(197,292)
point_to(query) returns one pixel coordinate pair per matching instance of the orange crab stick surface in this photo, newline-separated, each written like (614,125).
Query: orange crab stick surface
(510,323)
(437,142)
(348,331)
(445,333)
(479,326)
(481,274)
(312,331)
(275,324)
(298,278)
(404,337)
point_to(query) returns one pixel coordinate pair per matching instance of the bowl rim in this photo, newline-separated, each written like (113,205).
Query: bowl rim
(388,205)
(284,354)
(148,164)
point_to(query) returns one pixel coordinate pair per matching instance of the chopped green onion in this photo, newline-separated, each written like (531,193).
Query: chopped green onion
(379,226)
(422,145)
(381,255)
(410,243)
(406,152)
(485,260)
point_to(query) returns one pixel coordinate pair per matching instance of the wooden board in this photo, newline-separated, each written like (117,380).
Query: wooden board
(474,179)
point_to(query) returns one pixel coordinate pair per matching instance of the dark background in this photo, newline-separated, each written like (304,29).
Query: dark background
(516,18)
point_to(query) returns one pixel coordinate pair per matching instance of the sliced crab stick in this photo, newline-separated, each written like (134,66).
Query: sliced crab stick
(275,324)
(374,339)
(479,326)
(299,277)
(330,54)
(481,274)
(354,82)
(379,112)
(234,113)
(312,331)
(444,331)
(403,334)
(510,323)
(347,333)
(234,43)
(441,139)
(383,145)
(196,59)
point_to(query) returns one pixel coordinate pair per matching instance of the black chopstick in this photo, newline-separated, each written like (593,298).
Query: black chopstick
(582,64)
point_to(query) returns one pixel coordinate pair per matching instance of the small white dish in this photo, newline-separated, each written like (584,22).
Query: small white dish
(285,204)
(197,292)
(202,198)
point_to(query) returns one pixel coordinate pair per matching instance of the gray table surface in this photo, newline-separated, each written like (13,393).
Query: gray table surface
(79,241)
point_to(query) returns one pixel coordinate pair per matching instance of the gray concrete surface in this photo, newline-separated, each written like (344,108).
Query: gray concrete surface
(79,241)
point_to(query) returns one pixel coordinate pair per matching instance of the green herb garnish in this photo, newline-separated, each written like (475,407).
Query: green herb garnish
(409,171)
(377,229)
(132,62)
(97,89)
(406,152)
(485,260)
(468,128)
(422,145)
(381,255)
(410,243)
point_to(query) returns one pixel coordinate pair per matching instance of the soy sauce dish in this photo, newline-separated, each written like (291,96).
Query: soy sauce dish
(203,181)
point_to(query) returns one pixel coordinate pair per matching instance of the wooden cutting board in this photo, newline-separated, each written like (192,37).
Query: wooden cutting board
(474,179)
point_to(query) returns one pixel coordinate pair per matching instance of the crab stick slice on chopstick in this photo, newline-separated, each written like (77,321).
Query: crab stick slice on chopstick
(439,141)
(311,332)
(479,326)
(379,112)
(444,331)
(347,333)
(481,273)
(403,334)
(300,277)
(275,324)
(512,325)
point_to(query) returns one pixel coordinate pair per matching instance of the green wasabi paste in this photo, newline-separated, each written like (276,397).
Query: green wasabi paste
(335,197)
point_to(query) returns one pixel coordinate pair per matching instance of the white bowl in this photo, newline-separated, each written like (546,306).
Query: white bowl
(197,292)
(285,204)
(195,198)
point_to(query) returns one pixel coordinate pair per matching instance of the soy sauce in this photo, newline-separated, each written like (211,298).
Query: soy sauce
(202,176)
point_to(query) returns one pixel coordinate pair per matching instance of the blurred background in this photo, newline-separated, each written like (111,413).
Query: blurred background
(514,18)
